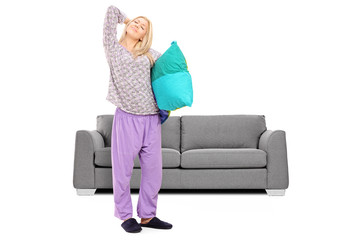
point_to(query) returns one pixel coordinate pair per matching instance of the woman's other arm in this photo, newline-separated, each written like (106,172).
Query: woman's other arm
(112,18)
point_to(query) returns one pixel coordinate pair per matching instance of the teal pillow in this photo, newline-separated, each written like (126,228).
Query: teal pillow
(171,80)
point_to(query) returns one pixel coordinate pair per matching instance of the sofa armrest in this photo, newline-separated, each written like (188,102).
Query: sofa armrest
(84,169)
(274,144)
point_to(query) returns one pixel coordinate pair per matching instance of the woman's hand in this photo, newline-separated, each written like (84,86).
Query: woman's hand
(127,20)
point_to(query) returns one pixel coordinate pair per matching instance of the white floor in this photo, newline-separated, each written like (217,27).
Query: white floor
(44,205)
(310,214)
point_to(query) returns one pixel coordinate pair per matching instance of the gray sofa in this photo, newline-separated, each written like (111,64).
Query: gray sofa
(198,151)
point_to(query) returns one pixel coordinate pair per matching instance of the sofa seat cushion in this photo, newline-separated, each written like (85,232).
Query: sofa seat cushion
(170,158)
(224,158)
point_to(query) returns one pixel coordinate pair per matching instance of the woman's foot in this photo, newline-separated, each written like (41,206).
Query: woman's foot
(127,219)
(145,220)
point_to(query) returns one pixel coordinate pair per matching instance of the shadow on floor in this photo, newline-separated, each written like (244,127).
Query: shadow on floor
(193,191)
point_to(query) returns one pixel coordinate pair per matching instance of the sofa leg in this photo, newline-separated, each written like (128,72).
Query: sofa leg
(85,192)
(275,192)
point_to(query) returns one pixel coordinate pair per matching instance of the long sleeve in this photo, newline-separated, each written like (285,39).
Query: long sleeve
(129,81)
(112,18)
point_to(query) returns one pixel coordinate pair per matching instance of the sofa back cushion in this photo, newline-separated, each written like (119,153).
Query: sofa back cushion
(170,131)
(221,131)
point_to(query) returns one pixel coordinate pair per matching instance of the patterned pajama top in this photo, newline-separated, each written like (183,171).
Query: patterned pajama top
(130,79)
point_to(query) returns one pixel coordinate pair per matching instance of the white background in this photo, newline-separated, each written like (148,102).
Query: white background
(296,62)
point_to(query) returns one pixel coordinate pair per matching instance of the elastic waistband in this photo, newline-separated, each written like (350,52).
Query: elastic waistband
(126,114)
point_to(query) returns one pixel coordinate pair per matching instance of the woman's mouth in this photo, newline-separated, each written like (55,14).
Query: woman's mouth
(134,29)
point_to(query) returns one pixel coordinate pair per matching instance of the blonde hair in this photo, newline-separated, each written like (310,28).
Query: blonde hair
(142,47)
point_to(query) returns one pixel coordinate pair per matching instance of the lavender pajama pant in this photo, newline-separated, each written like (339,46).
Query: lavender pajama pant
(132,135)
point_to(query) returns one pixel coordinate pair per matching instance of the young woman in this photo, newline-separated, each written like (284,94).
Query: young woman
(136,128)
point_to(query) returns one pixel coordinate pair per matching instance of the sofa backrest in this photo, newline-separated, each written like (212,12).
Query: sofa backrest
(104,127)
(221,131)
(170,131)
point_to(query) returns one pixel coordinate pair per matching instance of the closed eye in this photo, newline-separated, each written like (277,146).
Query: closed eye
(141,26)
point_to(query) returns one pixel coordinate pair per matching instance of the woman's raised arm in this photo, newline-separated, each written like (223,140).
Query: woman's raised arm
(112,18)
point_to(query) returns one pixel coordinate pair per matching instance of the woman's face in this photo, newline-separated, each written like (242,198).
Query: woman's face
(137,28)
